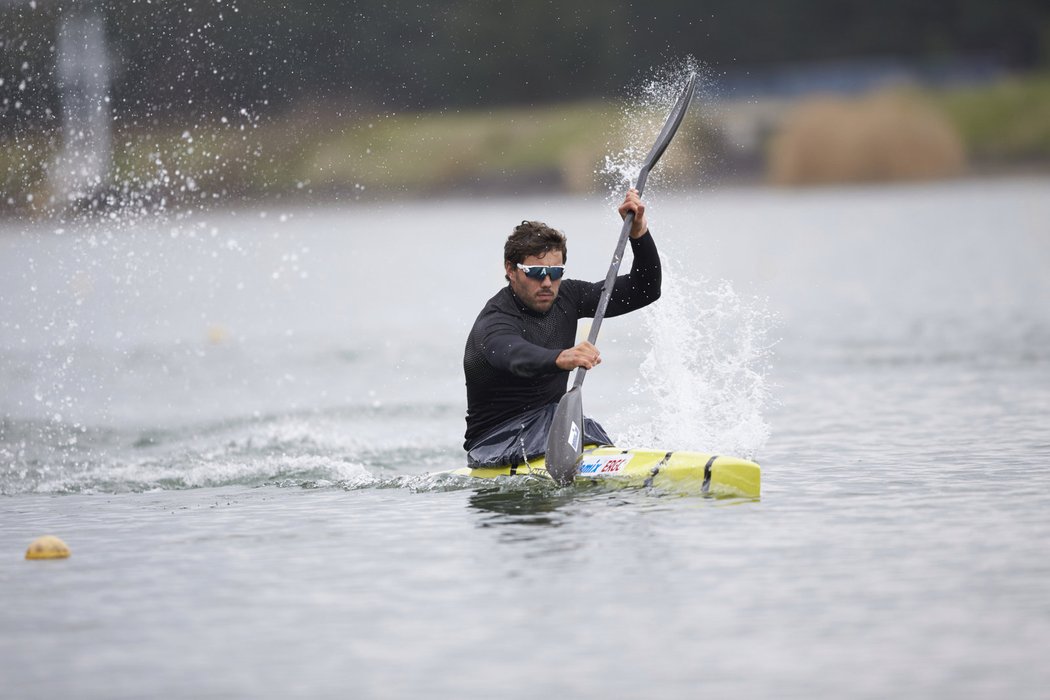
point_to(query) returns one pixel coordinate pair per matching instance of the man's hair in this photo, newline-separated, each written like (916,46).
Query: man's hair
(533,238)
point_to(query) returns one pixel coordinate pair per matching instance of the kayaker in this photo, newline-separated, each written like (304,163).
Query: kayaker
(523,344)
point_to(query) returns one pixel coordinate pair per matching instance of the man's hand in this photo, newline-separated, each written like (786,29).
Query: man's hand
(583,355)
(633,202)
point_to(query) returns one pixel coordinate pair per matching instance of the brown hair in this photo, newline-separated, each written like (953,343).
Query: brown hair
(533,238)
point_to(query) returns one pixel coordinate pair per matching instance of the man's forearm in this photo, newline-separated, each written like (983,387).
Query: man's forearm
(518,356)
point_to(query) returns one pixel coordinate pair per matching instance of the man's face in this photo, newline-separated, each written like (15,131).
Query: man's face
(538,295)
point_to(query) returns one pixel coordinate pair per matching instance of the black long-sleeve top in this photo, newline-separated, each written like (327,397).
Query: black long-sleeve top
(509,361)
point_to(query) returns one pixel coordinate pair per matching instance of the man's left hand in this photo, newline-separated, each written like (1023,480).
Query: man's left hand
(633,202)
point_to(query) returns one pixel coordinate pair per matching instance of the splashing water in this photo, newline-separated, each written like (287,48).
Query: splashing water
(705,372)
(642,117)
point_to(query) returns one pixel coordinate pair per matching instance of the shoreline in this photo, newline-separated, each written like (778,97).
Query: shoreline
(1037,169)
(319,155)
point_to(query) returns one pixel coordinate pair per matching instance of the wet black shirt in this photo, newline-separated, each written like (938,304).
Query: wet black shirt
(509,361)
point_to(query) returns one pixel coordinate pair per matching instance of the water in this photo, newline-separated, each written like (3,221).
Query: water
(234,419)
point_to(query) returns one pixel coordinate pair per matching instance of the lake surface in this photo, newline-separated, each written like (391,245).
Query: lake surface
(235,419)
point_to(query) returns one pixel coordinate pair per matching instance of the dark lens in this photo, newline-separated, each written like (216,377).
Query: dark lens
(556,272)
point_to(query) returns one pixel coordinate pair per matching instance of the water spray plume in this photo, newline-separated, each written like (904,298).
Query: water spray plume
(642,114)
(705,371)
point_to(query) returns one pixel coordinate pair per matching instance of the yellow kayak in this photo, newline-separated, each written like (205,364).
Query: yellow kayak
(715,474)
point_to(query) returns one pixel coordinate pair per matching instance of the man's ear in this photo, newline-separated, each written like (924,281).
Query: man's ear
(508,267)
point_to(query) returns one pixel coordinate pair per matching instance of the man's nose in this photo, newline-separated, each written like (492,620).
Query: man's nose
(546,281)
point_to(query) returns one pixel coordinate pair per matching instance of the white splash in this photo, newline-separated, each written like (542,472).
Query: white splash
(703,384)
(203,472)
(642,117)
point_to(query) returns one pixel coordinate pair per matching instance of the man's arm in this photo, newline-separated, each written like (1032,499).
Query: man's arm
(506,350)
(640,287)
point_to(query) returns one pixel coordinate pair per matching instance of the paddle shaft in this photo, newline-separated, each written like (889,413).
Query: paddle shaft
(610,277)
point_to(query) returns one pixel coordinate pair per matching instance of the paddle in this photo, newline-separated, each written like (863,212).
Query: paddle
(565,439)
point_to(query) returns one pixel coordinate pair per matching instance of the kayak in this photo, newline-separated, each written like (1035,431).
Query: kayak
(717,475)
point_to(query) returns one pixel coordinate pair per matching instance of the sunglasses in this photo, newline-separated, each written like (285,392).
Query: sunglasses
(538,272)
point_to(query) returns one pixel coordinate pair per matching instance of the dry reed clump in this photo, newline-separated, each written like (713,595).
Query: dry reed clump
(880,137)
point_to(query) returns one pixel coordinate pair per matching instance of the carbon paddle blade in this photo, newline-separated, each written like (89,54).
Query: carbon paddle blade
(674,120)
(565,440)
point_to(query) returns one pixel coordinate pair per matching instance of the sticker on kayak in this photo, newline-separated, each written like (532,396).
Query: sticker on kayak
(600,466)
(574,436)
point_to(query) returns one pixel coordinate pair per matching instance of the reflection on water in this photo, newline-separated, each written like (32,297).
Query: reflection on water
(535,503)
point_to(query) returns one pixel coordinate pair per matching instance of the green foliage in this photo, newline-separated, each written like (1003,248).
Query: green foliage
(1008,120)
(434,150)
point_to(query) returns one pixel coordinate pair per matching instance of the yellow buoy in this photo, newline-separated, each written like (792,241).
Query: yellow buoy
(217,334)
(47,547)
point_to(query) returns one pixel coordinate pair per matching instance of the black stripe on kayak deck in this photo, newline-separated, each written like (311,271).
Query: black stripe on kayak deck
(707,474)
(656,470)
(513,469)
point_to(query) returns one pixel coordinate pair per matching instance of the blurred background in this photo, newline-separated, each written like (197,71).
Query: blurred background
(150,104)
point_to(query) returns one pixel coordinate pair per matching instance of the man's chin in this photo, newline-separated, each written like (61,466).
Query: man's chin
(543,303)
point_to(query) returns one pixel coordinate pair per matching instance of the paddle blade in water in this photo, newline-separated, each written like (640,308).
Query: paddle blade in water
(565,441)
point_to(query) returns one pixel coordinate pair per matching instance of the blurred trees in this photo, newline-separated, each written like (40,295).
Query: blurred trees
(180,58)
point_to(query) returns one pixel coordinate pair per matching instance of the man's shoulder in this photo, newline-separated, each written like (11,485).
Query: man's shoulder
(501,303)
(573,287)
(574,290)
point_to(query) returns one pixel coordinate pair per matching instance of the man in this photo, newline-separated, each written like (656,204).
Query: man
(523,344)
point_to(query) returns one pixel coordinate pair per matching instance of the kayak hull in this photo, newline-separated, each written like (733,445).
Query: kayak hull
(694,471)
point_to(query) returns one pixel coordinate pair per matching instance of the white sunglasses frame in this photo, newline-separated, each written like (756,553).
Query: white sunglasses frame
(526,268)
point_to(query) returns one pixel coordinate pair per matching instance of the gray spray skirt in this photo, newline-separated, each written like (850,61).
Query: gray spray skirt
(525,437)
